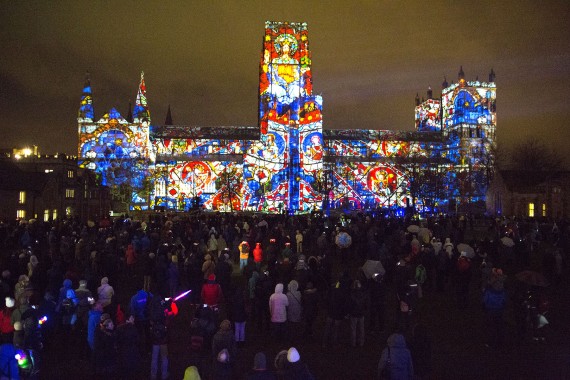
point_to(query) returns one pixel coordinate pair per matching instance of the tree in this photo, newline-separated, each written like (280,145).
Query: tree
(534,155)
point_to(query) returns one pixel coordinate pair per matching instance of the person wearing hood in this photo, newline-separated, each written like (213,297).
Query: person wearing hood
(21,285)
(243,254)
(105,292)
(84,298)
(212,292)
(6,328)
(401,366)
(260,371)
(278,303)
(294,368)
(222,366)
(258,255)
(208,267)
(224,340)
(295,308)
(191,373)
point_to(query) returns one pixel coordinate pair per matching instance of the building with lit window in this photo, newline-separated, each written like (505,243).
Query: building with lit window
(289,161)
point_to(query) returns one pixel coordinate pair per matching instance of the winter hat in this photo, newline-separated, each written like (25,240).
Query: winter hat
(83,284)
(224,356)
(104,280)
(18,326)
(34,260)
(23,278)
(226,256)
(151,255)
(293,355)
(259,361)
(225,325)
(10,302)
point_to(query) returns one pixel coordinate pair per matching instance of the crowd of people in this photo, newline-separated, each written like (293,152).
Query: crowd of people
(282,275)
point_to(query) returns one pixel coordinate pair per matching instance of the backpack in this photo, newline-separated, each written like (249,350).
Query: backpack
(421,274)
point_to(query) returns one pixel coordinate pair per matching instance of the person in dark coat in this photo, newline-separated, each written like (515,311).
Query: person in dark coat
(358,304)
(420,348)
(128,342)
(239,315)
(224,339)
(106,348)
(310,301)
(294,368)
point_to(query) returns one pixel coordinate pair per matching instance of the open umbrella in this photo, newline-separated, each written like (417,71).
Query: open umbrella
(507,241)
(413,228)
(532,278)
(467,249)
(371,267)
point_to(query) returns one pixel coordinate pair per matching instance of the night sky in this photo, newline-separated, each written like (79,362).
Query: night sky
(370,58)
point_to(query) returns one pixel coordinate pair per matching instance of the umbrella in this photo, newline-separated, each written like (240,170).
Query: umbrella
(507,241)
(467,249)
(343,240)
(532,278)
(371,267)
(413,228)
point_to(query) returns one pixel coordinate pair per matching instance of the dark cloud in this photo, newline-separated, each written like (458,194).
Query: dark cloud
(370,58)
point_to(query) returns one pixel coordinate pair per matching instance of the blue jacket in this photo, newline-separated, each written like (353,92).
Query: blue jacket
(92,325)
(401,367)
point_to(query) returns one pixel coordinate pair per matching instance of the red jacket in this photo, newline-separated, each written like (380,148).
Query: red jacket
(5,324)
(257,253)
(212,293)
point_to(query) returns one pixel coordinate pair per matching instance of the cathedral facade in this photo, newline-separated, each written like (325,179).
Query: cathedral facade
(289,162)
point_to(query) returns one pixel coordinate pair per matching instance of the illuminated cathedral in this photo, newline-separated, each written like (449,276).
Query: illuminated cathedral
(289,162)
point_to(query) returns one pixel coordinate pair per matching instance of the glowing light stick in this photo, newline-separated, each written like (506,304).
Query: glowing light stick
(42,320)
(183,295)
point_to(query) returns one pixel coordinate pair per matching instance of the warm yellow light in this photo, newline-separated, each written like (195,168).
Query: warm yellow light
(27,152)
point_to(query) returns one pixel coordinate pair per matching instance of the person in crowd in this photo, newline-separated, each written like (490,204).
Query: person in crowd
(128,347)
(258,255)
(239,316)
(84,301)
(212,292)
(222,366)
(310,303)
(191,373)
(243,254)
(357,309)
(396,359)
(494,300)
(420,348)
(105,292)
(337,301)
(259,370)
(294,368)
(173,276)
(161,318)
(6,327)
(224,339)
(278,303)
(93,322)
(105,352)
(208,267)
(294,309)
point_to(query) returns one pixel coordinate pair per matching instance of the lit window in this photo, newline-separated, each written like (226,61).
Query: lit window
(48,171)
(68,211)
(21,214)
(70,193)
(531,210)
(70,174)
(46,215)
(544,209)
(54,214)
(22,198)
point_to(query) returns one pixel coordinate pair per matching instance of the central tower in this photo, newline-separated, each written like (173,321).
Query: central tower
(284,164)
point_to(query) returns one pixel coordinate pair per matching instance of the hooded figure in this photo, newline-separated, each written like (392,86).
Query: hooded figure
(401,366)
(294,368)
(258,254)
(294,311)
(222,366)
(212,292)
(191,373)
(208,267)
(278,303)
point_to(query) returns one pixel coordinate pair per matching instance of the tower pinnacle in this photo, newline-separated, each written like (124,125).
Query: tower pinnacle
(86,112)
(141,110)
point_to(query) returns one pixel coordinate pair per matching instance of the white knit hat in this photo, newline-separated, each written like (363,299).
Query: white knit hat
(10,302)
(293,355)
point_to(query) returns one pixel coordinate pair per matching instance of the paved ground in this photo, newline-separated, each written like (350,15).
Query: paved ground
(458,338)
